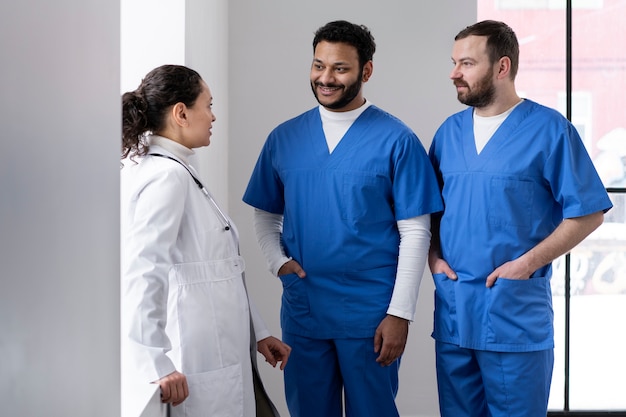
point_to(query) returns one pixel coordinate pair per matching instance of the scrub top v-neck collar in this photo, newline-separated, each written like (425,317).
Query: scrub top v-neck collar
(475,160)
(350,138)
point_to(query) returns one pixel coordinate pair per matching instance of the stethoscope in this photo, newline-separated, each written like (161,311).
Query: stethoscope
(219,211)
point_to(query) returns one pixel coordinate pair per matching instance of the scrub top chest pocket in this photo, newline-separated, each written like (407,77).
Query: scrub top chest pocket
(510,202)
(364,196)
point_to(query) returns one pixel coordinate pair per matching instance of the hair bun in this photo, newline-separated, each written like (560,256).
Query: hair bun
(139,101)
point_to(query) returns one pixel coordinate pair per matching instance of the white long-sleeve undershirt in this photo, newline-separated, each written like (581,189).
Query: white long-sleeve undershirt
(413,252)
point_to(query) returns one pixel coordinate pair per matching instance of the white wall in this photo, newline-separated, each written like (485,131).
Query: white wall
(206,50)
(59,205)
(270,46)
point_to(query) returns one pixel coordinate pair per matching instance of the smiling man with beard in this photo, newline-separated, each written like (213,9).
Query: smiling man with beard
(343,195)
(519,190)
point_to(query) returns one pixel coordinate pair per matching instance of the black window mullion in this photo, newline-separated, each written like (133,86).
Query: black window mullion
(568,113)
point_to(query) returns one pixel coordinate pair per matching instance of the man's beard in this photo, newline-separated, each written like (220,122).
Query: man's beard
(481,95)
(349,93)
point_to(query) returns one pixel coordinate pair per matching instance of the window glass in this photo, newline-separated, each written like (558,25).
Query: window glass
(546,4)
(598,308)
(598,338)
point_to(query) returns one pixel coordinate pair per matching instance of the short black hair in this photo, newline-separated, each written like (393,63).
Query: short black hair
(355,35)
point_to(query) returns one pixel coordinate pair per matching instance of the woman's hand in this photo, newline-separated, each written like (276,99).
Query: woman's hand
(174,388)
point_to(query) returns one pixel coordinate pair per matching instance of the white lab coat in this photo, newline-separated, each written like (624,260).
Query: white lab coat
(184,302)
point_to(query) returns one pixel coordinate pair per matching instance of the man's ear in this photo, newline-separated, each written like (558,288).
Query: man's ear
(504,67)
(368,69)
(179,114)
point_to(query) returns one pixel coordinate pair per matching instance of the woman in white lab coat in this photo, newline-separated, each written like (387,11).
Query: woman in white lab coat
(186,317)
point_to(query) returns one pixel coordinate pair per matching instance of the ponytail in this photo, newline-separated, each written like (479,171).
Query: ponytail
(134,124)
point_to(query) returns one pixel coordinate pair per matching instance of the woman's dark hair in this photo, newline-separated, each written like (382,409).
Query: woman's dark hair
(358,36)
(501,41)
(144,109)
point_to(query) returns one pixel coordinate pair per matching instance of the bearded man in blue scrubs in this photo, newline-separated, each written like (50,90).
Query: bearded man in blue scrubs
(343,195)
(519,190)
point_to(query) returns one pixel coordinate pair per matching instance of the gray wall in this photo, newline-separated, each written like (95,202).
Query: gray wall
(59,205)
(270,56)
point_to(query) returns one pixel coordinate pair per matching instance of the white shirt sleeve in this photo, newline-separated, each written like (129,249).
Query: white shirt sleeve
(414,243)
(268,227)
(260,329)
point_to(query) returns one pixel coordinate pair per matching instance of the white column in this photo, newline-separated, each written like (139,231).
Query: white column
(152,34)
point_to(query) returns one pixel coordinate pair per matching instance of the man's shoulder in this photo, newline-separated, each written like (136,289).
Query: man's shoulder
(297,123)
(299,119)
(374,111)
(537,109)
(456,119)
(539,114)
(385,119)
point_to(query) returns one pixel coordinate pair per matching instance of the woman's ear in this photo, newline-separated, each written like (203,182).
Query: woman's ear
(179,114)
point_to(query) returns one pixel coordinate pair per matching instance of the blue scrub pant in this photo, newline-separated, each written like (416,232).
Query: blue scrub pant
(478,383)
(319,370)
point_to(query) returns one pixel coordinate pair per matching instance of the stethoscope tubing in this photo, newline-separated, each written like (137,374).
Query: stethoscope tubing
(218,210)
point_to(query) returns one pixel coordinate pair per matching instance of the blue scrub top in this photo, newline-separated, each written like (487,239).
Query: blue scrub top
(533,173)
(340,211)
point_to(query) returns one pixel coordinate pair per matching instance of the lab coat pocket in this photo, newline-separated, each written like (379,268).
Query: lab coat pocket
(445,307)
(520,312)
(217,393)
(210,307)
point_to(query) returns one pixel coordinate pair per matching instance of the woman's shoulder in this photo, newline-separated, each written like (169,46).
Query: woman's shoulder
(153,171)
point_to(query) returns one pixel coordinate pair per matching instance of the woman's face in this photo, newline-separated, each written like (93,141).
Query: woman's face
(200,118)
